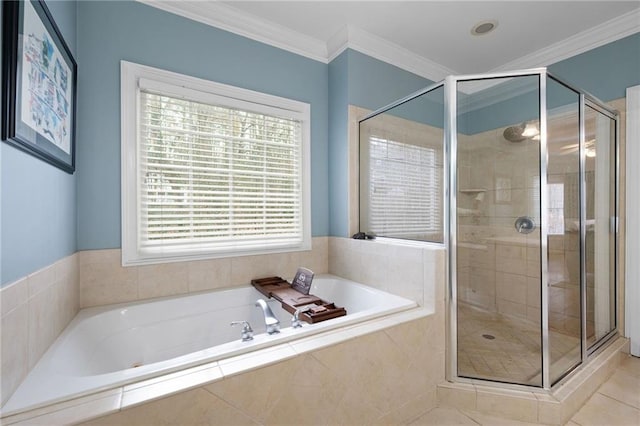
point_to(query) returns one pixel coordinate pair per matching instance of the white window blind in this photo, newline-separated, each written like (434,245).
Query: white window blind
(556,209)
(214,176)
(405,187)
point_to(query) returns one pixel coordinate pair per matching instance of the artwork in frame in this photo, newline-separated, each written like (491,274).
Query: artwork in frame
(39,85)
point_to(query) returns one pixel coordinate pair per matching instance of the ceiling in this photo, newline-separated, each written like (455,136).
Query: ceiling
(430,38)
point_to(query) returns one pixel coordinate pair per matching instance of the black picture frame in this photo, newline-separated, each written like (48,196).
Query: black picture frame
(39,79)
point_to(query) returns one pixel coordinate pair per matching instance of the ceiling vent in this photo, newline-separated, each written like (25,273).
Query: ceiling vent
(484,27)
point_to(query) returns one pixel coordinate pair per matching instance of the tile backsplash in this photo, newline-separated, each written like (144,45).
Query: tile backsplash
(103,279)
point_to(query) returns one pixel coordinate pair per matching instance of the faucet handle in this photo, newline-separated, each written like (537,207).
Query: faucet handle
(247,331)
(295,319)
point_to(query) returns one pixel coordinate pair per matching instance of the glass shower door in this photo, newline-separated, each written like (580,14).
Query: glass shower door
(563,233)
(600,184)
(497,233)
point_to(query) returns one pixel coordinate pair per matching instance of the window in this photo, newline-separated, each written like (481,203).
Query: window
(210,170)
(401,185)
(404,189)
(556,203)
(556,209)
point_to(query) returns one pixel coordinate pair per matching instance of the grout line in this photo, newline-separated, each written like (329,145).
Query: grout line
(612,398)
(230,403)
(469,417)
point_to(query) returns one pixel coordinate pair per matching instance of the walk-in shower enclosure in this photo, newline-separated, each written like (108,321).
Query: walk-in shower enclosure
(516,173)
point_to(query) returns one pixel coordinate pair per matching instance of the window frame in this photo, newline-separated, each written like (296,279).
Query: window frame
(180,85)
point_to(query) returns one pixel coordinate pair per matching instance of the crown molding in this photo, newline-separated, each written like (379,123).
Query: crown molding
(477,98)
(230,19)
(607,32)
(379,48)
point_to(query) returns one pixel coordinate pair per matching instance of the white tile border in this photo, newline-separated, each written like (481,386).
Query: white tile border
(149,390)
(72,411)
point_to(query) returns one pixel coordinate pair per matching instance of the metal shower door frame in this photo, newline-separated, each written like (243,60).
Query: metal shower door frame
(451,237)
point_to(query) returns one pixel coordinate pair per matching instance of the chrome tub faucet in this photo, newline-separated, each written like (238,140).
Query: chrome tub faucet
(247,331)
(270,320)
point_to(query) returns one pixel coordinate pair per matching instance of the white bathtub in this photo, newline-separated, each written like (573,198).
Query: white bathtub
(106,347)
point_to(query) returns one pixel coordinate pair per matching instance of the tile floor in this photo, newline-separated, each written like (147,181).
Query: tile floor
(514,352)
(615,403)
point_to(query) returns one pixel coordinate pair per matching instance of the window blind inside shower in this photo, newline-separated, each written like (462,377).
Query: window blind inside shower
(405,188)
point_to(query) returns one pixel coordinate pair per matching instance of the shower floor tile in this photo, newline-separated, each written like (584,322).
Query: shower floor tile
(497,347)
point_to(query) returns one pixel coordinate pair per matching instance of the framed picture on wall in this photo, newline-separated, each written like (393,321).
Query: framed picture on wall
(39,85)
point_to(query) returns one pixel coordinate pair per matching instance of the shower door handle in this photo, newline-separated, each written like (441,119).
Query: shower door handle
(525,225)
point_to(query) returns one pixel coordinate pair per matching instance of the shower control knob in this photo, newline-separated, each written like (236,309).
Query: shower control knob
(525,225)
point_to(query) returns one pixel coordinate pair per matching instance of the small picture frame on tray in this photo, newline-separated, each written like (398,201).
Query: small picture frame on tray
(302,281)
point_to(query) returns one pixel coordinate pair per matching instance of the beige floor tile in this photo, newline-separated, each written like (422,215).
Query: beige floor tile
(443,416)
(601,410)
(631,365)
(623,387)
(487,420)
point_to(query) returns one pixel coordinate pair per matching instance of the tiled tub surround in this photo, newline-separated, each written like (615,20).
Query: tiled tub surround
(412,270)
(378,377)
(35,309)
(350,353)
(107,347)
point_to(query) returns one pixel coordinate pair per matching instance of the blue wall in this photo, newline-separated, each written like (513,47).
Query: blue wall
(360,80)
(48,214)
(114,31)
(38,200)
(374,84)
(606,71)
(338,144)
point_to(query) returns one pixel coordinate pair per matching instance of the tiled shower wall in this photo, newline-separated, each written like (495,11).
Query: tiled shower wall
(498,268)
(501,276)
(500,273)
(35,309)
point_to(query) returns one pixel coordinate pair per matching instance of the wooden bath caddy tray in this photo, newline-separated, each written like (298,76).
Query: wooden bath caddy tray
(291,299)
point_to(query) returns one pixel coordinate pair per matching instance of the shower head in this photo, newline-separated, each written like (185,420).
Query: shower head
(521,132)
(515,133)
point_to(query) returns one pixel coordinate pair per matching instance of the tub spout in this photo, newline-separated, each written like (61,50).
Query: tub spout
(270,320)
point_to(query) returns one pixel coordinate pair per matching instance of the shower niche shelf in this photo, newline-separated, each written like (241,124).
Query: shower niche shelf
(472,190)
